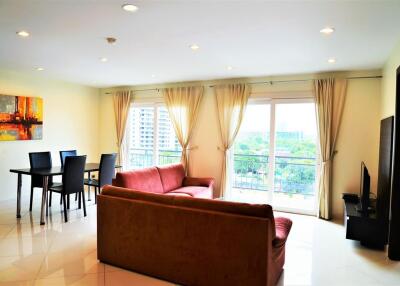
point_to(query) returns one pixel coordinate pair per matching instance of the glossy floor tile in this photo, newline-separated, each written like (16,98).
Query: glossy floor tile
(61,253)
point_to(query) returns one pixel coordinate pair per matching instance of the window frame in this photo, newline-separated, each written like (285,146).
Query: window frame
(272,102)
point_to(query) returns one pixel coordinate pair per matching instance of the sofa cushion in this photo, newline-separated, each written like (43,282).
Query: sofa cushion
(146,180)
(177,194)
(194,191)
(171,176)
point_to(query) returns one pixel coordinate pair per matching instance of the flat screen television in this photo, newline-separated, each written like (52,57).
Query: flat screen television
(365,184)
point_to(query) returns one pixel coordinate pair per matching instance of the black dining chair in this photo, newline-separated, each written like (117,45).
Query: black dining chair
(63,155)
(72,181)
(39,160)
(106,174)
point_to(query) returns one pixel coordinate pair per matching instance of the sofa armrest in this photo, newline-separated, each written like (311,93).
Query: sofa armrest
(203,182)
(282,227)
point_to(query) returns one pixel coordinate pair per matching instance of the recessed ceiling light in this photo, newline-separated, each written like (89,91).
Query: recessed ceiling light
(327,30)
(23,34)
(103,60)
(111,40)
(153,75)
(229,68)
(130,7)
(39,69)
(332,60)
(194,47)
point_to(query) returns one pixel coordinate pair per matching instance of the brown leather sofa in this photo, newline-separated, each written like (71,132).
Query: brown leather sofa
(190,241)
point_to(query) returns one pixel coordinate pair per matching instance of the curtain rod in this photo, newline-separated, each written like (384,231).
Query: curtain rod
(272,82)
(305,80)
(148,89)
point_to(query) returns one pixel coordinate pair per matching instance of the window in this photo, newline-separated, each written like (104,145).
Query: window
(150,137)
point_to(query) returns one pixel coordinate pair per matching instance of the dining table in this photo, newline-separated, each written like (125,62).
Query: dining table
(46,173)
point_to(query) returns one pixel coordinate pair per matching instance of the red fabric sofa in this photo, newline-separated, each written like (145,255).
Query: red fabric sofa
(167,180)
(191,241)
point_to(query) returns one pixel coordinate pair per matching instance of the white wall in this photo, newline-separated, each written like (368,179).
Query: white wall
(70,122)
(358,139)
(389,83)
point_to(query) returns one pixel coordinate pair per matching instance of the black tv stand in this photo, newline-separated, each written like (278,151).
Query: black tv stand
(360,209)
(364,227)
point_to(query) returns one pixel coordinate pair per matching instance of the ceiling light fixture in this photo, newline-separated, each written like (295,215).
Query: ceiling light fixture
(23,34)
(229,68)
(103,60)
(130,7)
(111,40)
(194,47)
(153,75)
(327,30)
(332,60)
(39,69)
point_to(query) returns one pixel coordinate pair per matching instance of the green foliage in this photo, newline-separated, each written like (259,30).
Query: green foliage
(294,162)
(252,143)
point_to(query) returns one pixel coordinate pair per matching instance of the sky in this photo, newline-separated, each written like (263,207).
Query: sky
(289,117)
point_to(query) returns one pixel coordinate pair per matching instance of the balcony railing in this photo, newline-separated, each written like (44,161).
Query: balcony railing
(293,175)
(166,157)
(251,172)
(141,158)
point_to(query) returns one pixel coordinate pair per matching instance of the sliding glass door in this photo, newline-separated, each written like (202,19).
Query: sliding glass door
(251,156)
(295,156)
(275,156)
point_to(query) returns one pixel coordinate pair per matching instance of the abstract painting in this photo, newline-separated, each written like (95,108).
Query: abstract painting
(21,118)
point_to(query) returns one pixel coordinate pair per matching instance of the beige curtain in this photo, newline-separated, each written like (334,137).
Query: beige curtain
(231,104)
(330,96)
(183,105)
(122,100)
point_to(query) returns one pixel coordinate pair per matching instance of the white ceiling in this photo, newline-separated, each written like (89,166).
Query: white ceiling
(257,38)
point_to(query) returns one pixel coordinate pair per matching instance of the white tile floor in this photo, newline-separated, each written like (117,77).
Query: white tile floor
(65,253)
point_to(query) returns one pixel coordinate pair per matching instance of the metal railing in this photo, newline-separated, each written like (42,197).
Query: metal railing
(141,158)
(250,172)
(166,157)
(293,175)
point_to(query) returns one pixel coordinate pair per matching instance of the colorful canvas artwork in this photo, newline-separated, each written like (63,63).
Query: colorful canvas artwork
(21,118)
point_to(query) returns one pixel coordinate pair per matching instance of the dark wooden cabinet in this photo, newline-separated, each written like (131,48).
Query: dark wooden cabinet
(394,233)
(368,229)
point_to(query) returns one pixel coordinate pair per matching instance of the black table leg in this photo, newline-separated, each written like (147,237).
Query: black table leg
(44,198)
(19,186)
(88,188)
(47,205)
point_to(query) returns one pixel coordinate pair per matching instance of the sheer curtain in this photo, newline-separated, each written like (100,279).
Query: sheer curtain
(231,104)
(122,100)
(183,104)
(330,96)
